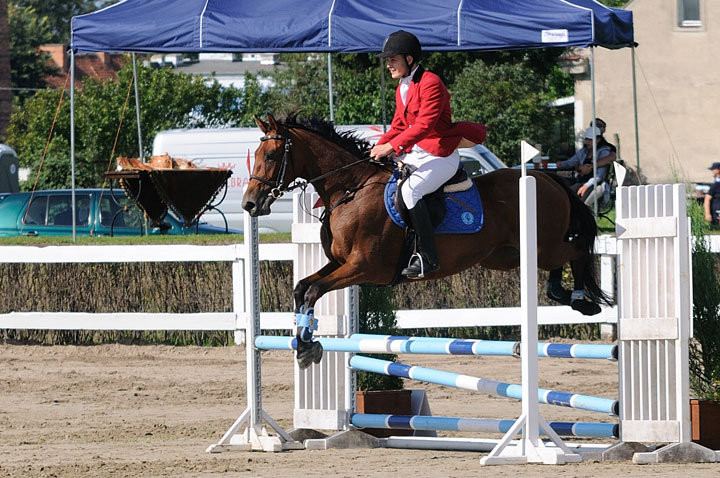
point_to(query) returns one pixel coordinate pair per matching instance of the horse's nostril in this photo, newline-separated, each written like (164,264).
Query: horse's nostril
(249,206)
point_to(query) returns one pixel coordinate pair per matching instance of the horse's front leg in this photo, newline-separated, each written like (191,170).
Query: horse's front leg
(303,284)
(325,280)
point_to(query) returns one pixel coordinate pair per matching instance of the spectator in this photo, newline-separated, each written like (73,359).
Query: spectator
(712,198)
(601,125)
(584,182)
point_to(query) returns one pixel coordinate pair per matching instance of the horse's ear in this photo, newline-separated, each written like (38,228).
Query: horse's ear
(273,123)
(264,127)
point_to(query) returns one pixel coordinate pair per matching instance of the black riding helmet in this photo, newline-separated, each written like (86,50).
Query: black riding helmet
(401,43)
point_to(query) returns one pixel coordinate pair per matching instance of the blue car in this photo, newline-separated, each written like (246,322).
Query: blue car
(98,212)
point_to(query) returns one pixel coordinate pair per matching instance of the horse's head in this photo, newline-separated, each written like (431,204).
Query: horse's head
(268,178)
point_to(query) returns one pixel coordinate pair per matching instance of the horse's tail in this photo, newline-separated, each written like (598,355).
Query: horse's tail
(583,229)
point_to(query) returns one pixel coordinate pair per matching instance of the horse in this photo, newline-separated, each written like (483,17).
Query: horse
(364,246)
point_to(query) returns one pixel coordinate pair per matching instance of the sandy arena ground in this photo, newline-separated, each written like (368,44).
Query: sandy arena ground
(131,411)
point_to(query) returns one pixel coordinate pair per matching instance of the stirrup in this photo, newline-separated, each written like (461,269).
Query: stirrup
(411,271)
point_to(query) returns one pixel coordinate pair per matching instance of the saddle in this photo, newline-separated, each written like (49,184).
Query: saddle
(455,208)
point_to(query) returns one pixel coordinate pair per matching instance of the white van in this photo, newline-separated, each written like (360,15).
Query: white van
(234,148)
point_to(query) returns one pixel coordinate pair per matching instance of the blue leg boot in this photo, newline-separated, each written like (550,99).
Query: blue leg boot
(308,351)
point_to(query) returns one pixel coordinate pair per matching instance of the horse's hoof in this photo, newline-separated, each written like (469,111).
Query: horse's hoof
(308,353)
(559,294)
(585,307)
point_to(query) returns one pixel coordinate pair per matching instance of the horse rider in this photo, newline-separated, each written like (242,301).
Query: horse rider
(423,137)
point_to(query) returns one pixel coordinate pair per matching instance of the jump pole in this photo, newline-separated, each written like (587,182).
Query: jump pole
(476,425)
(385,344)
(483,385)
(530,449)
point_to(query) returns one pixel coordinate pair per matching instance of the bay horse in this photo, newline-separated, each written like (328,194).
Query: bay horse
(363,244)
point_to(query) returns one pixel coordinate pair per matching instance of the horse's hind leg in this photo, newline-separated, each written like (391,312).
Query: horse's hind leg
(555,291)
(582,270)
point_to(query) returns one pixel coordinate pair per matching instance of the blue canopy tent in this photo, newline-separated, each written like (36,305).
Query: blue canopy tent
(346,25)
(341,26)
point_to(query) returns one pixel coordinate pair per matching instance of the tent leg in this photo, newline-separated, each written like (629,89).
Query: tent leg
(137,109)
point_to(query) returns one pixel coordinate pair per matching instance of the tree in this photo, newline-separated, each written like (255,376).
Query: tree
(57,15)
(28,65)
(168,100)
(615,3)
(510,98)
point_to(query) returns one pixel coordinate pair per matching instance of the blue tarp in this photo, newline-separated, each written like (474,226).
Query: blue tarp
(347,25)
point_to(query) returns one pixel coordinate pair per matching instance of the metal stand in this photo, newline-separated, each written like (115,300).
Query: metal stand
(255,436)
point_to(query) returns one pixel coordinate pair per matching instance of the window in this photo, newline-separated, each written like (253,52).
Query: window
(689,14)
(36,212)
(110,209)
(60,210)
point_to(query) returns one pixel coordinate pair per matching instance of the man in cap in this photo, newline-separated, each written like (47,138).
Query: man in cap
(585,183)
(712,198)
(424,138)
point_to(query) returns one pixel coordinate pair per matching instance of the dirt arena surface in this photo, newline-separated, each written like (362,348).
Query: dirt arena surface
(131,411)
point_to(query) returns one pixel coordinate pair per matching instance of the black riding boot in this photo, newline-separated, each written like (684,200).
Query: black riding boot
(425,260)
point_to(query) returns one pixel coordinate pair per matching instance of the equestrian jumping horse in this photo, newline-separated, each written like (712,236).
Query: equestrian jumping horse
(363,244)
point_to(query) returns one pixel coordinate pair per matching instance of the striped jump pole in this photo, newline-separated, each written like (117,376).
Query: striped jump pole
(477,425)
(466,382)
(367,343)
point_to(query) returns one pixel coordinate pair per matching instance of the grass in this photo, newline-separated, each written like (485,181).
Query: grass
(606,222)
(200,239)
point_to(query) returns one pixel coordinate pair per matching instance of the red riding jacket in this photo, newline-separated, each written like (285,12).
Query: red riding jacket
(426,119)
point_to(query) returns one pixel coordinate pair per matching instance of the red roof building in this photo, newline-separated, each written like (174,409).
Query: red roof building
(99,65)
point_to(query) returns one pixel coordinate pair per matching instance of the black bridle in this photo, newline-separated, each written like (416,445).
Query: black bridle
(277,187)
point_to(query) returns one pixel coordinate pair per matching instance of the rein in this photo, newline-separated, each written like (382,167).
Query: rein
(277,187)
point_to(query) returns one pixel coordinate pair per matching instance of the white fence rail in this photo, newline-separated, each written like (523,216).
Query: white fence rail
(235,320)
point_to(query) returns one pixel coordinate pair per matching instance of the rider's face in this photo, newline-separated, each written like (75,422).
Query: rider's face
(397,66)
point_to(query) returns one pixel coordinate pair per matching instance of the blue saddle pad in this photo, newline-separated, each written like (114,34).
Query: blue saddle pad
(464,213)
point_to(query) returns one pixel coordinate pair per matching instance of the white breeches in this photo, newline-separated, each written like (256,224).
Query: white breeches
(432,172)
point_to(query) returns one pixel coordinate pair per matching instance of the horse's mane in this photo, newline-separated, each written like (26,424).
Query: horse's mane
(348,140)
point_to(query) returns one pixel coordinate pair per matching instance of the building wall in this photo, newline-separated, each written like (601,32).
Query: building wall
(678,90)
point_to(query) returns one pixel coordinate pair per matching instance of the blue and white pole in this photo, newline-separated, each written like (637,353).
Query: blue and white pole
(477,425)
(367,343)
(492,387)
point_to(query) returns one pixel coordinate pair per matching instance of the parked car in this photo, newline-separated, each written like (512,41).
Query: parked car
(97,211)
(479,160)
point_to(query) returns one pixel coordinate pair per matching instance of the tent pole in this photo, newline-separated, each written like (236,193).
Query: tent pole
(635,106)
(594,115)
(72,140)
(382,95)
(137,109)
(330,87)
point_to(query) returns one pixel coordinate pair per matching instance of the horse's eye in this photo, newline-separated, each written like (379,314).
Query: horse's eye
(269,156)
